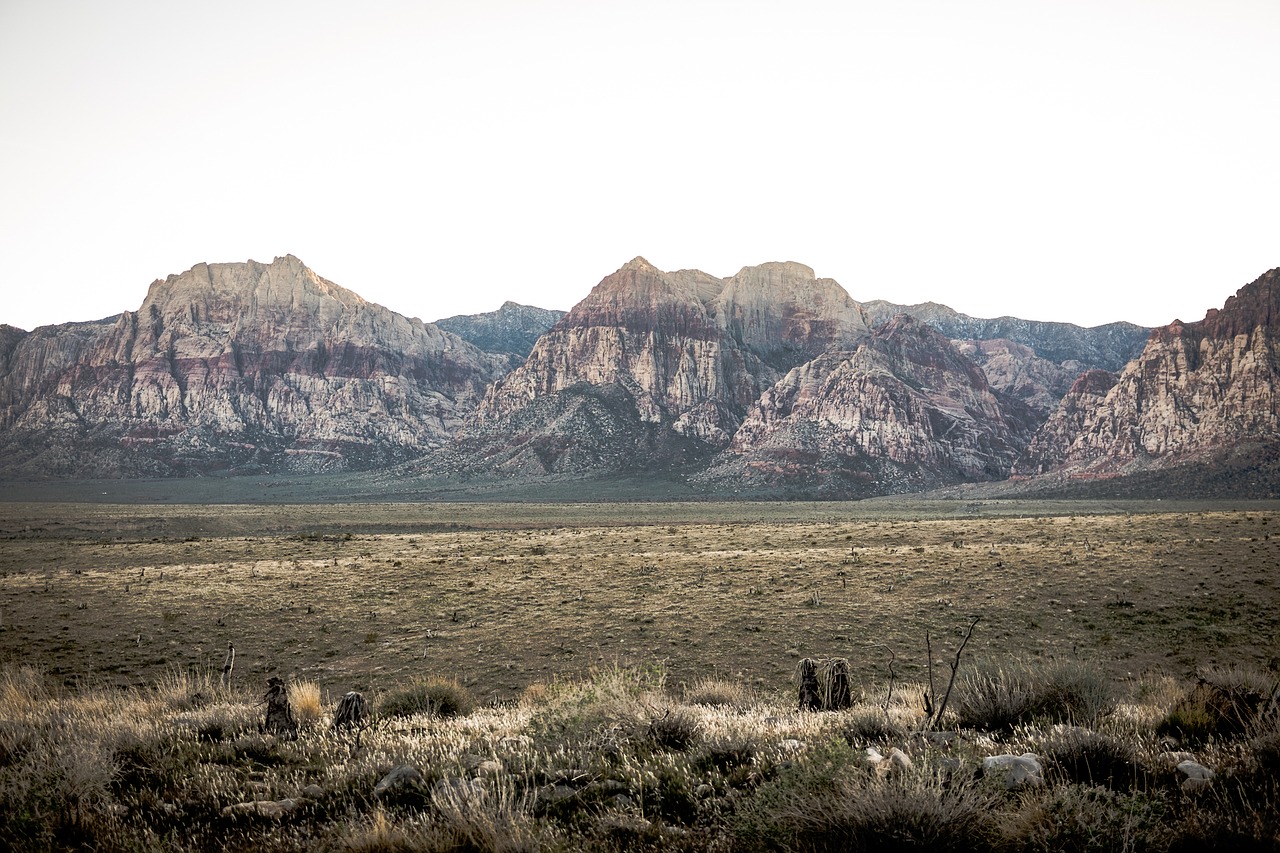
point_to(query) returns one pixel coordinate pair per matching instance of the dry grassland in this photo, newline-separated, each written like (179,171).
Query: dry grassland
(501,596)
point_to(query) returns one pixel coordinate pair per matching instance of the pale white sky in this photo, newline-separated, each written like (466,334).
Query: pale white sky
(1063,160)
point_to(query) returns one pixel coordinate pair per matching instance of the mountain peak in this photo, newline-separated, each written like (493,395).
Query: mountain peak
(639,264)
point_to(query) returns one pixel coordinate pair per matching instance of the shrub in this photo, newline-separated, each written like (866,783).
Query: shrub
(999,698)
(870,725)
(1074,692)
(677,729)
(440,697)
(1088,819)
(829,804)
(993,699)
(1090,758)
(304,699)
(1225,703)
(718,693)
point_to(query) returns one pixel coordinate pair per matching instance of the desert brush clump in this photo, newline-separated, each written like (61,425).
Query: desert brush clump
(1000,696)
(441,697)
(1224,702)
(613,761)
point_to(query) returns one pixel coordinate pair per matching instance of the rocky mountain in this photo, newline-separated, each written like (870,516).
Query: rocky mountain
(904,411)
(1016,370)
(683,353)
(241,366)
(1199,392)
(1109,347)
(513,329)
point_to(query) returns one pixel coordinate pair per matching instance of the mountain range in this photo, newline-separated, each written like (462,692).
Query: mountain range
(769,383)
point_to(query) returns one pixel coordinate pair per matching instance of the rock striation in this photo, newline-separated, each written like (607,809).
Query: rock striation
(903,411)
(684,351)
(1198,391)
(242,366)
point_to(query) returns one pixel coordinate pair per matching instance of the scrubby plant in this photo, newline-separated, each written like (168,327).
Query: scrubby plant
(440,697)
(1226,702)
(997,698)
(828,802)
(677,729)
(304,699)
(1086,757)
(719,693)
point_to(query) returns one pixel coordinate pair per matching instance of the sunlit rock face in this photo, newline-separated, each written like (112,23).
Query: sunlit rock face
(240,366)
(903,411)
(1196,391)
(689,353)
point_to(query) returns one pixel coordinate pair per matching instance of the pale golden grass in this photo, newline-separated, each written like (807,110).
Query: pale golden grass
(305,700)
(730,598)
(490,773)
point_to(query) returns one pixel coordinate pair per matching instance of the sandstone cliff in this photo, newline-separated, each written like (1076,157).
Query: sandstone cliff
(1197,391)
(236,366)
(688,352)
(902,412)
(1016,370)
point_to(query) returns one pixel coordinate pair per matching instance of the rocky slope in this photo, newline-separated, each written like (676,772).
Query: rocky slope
(688,352)
(1016,370)
(242,366)
(902,412)
(513,329)
(1197,393)
(1109,347)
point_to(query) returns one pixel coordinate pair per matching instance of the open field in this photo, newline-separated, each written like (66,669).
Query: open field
(505,595)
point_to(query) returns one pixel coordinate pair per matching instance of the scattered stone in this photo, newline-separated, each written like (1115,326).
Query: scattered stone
(553,794)
(1015,771)
(515,743)
(488,767)
(900,761)
(1173,759)
(313,792)
(456,789)
(793,746)
(1198,776)
(274,809)
(398,779)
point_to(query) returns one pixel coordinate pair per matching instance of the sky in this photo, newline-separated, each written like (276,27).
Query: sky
(1054,160)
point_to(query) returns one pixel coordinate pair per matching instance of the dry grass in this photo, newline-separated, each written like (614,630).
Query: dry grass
(615,761)
(464,592)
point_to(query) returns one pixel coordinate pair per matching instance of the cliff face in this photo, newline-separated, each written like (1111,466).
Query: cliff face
(1016,370)
(1196,391)
(903,411)
(785,315)
(226,366)
(1108,347)
(513,329)
(688,352)
(649,333)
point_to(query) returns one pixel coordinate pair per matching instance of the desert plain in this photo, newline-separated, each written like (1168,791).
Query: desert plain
(501,596)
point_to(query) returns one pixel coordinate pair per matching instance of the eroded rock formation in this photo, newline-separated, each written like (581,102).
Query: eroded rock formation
(241,366)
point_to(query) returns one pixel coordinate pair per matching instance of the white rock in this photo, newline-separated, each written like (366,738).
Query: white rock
(1015,771)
